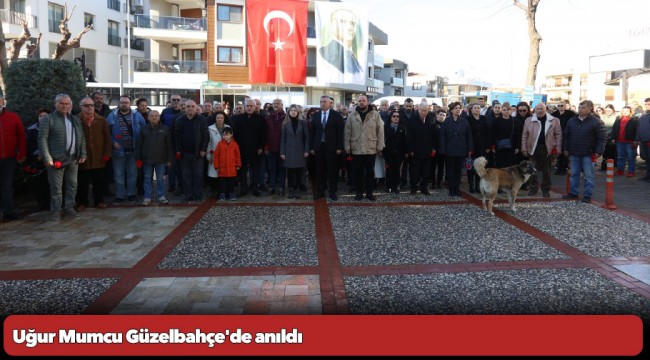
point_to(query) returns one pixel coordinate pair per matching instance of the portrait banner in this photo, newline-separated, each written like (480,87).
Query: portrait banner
(277,41)
(342,37)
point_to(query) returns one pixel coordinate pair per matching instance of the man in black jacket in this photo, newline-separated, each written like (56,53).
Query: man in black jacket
(249,130)
(564,113)
(191,144)
(326,142)
(583,141)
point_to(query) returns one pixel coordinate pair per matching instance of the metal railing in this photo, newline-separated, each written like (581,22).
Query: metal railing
(13,17)
(171,66)
(114,40)
(170,23)
(136,43)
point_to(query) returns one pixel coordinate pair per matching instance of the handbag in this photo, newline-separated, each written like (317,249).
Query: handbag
(468,162)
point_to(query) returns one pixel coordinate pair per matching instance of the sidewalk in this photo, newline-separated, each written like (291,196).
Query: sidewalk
(404,254)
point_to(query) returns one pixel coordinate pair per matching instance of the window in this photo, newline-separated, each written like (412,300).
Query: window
(229,13)
(398,92)
(113,33)
(54,17)
(398,73)
(113,4)
(89,19)
(17,6)
(417,86)
(230,55)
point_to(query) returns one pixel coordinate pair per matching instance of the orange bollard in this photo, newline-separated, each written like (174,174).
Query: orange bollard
(568,177)
(609,186)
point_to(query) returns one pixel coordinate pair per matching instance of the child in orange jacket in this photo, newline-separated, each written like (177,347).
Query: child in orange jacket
(227,161)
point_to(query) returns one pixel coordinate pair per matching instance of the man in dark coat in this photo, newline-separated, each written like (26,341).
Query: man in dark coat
(326,142)
(583,141)
(422,143)
(249,130)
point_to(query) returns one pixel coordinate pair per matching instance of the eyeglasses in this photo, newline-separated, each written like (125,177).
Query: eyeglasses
(176,99)
(522,111)
(560,106)
(88,105)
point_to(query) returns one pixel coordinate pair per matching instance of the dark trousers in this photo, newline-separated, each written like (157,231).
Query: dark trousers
(543,165)
(7,169)
(505,158)
(192,170)
(405,170)
(420,171)
(393,179)
(364,173)
(42,190)
(174,174)
(226,185)
(437,168)
(252,166)
(454,173)
(98,179)
(326,170)
(295,178)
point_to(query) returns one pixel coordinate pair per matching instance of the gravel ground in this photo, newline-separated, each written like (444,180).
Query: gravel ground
(536,291)
(430,235)
(404,196)
(239,237)
(595,231)
(50,297)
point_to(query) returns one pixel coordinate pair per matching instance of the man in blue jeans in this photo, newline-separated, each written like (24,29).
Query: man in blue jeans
(583,141)
(125,124)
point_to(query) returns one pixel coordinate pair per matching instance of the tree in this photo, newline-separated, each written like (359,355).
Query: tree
(33,83)
(534,37)
(9,55)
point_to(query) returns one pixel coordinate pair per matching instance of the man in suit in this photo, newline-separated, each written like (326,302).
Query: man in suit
(326,142)
(339,51)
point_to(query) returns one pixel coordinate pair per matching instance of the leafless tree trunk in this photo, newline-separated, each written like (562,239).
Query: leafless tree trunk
(66,44)
(18,43)
(534,37)
(3,58)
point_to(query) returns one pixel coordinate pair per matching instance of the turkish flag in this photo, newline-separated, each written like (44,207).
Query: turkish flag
(277,41)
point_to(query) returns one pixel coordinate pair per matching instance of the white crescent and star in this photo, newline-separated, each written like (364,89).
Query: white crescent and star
(277,14)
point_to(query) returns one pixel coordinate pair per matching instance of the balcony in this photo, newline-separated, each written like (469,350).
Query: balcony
(11,22)
(136,43)
(171,29)
(395,81)
(171,66)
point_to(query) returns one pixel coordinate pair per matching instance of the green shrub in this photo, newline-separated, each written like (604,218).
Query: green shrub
(32,84)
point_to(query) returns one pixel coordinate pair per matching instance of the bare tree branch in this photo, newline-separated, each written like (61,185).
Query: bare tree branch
(18,43)
(3,58)
(66,44)
(31,49)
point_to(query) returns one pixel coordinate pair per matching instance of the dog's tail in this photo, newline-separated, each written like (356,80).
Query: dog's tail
(479,166)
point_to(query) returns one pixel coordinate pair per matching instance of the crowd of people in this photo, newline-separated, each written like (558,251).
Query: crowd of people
(126,153)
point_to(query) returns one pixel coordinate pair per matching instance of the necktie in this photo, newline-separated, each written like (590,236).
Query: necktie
(324,119)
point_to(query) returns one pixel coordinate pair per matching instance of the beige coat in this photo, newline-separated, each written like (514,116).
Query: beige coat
(531,133)
(364,138)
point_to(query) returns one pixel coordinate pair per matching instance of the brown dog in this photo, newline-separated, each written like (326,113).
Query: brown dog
(510,179)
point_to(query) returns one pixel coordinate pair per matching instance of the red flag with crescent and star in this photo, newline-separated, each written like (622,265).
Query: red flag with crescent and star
(277,41)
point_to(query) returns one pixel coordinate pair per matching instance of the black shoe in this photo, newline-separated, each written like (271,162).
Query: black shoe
(532,193)
(243,193)
(569,196)
(256,193)
(272,192)
(358,197)
(262,188)
(471,189)
(12,216)
(319,196)
(303,188)
(586,199)
(119,200)
(132,198)
(396,190)
(546,194)
(414,191)
(333,197)
(425,192)
(371,197)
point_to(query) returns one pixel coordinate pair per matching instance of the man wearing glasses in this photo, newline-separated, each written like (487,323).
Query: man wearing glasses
(564,113)
(168,118)
(98,152)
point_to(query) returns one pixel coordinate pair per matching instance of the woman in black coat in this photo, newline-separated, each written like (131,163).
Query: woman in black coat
(456,144)
(503,131)
(481,137)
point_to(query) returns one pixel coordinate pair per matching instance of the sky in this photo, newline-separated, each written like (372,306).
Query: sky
(488,39)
